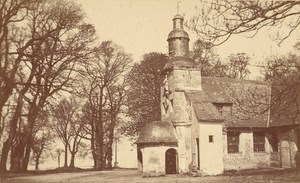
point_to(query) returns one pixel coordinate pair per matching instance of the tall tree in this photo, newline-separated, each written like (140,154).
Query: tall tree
(52,40)
(107,67)
(218,20)
(41,144)
(144,92)
(283,72)
(116,97)
(68,127)
(11,13)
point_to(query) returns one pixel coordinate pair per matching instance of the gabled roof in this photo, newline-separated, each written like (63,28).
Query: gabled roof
(157,132)
(203,108)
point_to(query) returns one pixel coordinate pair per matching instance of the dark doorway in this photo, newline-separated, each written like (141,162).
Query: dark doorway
(198,153)
(140,156)
(171,161)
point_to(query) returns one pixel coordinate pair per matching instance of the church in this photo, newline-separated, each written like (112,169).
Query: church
(210,125)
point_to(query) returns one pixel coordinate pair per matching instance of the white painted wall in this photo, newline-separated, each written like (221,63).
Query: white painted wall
(211,154)
(246,158)
(154,160)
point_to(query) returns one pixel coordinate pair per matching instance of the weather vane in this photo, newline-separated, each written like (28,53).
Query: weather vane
(178,2)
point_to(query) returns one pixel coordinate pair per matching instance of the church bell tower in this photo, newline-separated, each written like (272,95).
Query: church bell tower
(179,74)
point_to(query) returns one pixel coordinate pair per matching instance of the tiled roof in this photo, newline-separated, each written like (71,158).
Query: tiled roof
(255,122)
(214,88)
(157,132)
(249,101)
(204,109)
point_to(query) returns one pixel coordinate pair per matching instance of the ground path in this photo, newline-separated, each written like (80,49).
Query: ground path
(131,176)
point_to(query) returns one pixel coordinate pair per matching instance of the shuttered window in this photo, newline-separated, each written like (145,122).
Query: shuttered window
(259,141)
(233,140)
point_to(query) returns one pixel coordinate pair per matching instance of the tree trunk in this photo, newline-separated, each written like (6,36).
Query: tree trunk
(37,161)
(27,156)
(93,150)
(4,156)
(99,151)
(72,162)
(109,147)
(99,135)
(109,158)
(11,135)
(16,159)
(66,156)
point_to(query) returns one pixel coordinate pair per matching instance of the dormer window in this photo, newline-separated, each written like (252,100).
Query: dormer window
(219,107)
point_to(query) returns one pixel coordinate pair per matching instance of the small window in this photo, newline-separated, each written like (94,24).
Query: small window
(259,141)
(219,108)
(210,138)
(233,140)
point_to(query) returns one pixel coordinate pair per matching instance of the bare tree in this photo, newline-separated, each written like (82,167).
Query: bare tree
(108,64)
(11,13)
(41,144)
(217,21)
(283,73)
(68,126)
(238,66)
(281,67)
(204,54)
(57,154)
(54,41)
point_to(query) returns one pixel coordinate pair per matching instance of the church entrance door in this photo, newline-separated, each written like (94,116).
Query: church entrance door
(171,161)
(285,155)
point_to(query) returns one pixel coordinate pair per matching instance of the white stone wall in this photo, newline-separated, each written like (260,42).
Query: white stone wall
(211,153)
(246,158)
(184,148)
(187,79)
(180,114)
(154,160)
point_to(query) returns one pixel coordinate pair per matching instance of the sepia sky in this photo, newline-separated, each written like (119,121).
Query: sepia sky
(142,26)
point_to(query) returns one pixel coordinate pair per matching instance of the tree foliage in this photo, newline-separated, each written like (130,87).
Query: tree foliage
(144,91)
(210,63)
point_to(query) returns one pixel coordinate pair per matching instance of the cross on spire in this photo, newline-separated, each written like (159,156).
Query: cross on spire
(178,2)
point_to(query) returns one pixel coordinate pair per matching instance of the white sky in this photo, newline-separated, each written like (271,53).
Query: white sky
(142,26)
